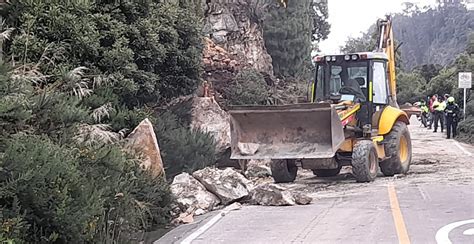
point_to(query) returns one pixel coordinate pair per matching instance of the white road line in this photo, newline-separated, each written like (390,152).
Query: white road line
(462,149)
(205,227)
(442,236)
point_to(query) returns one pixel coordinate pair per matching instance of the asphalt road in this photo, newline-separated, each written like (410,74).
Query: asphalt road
(432,204)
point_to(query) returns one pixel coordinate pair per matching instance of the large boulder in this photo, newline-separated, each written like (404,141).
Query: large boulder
(208,116)
(143,141)
(226,184)
(191,194)
(276,195)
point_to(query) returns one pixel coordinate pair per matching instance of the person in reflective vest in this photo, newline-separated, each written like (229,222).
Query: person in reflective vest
(439,107)
(425,113)
(452,113)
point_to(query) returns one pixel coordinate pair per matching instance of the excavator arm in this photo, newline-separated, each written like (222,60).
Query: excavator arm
(386,44)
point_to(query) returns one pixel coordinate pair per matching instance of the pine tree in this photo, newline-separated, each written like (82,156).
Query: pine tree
(289,33)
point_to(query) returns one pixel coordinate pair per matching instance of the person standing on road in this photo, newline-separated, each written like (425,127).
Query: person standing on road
(439,107)
(446,96)
(452,113)
(424,116)
(433,99)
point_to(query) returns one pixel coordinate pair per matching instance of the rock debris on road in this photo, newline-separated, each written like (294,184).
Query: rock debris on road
(437,191)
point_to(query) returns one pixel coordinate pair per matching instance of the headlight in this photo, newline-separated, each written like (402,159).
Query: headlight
(333,58)
(347,57)
(328,59)
(354,57)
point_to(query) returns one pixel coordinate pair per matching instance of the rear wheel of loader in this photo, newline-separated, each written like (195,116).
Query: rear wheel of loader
(284,170)
(327,172)
(398,148)
(364,161)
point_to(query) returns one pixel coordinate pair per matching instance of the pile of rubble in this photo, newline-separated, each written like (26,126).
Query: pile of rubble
(211,189)
(216,58)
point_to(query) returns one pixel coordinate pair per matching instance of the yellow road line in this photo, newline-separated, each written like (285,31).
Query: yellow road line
(402,232)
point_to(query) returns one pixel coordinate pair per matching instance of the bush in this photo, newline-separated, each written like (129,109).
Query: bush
(52,193)
(182,149)
(466,127)
(466,130)
(133,200)
(151,49)
(42,194)
(131,56)
(248,87)
(410,87)
(469,107)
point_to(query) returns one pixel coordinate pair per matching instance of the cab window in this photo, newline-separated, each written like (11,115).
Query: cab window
(319,82)
(380,83)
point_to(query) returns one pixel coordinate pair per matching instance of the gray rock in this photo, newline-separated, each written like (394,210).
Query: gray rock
(276,195)
(258,169)
(247,148)
(226,184)
(191,194)
(208,116)
(302,199)
(271,195)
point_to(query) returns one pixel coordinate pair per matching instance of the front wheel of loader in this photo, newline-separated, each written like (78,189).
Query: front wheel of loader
(284,171)
(398,149)
(364,161)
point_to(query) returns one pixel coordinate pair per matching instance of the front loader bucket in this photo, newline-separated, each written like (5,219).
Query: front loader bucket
(301,131)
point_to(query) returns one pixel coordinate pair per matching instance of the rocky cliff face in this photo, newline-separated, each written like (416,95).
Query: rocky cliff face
(235,25)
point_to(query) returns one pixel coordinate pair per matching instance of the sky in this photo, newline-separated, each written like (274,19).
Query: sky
(348,18)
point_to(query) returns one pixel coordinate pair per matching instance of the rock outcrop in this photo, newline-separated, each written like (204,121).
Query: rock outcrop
(236,27)
(228,185)
(216,58)
(208,116)
(234,41)
(191,195)
(143,141)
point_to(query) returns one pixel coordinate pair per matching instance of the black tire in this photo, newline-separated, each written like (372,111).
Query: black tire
(284,170)
(398,162)
(364,161)
(327,172)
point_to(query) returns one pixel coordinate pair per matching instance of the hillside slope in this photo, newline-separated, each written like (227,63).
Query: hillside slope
(438,37)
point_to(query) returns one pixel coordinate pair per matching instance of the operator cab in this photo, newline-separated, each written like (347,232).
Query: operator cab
(362,75)
(358,77)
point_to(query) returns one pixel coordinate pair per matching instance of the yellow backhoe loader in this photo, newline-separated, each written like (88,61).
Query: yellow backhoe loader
(353,119)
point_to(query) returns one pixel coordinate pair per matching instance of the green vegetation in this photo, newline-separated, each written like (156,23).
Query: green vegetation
(248,87)
(80,75)
(435,35)
(289,32)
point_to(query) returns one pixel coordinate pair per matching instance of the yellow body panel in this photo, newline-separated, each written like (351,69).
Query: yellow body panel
(380,150)
(347,145)
(388,118)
